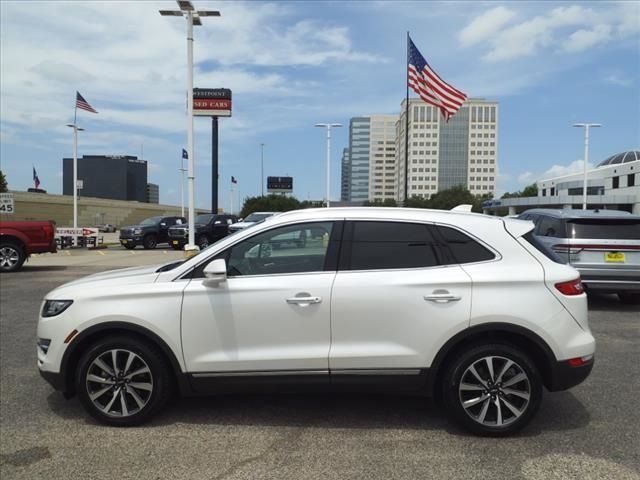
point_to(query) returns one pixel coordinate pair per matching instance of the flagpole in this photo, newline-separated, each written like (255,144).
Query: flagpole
(231,206)
(406,132)
(75,173)
(182,187)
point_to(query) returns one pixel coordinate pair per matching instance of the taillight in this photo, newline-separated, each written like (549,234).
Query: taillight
(561,248)
(572,287)
(48,230)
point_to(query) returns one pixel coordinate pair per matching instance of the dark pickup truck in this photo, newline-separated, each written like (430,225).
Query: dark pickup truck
(18,240)
(209,229)
(149,232)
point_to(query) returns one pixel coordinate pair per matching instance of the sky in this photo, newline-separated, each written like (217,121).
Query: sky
(291,64)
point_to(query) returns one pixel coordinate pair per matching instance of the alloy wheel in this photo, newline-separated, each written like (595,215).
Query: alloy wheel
(119,383)
(494,391)
(9,257)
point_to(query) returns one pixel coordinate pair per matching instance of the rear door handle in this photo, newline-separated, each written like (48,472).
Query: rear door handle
(441,298)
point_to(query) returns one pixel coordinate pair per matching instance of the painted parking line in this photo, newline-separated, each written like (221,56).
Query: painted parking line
(100,253)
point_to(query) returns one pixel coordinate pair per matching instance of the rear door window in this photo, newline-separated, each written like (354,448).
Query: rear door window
(390,245)
(601,229)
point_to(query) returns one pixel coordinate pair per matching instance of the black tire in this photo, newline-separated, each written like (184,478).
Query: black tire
(150,241)
(202,241)
(496,397)
(129,246)
(12,257)
(158,377)
(631,298)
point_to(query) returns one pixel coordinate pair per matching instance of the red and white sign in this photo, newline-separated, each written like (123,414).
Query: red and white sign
(212,107)
(77,232)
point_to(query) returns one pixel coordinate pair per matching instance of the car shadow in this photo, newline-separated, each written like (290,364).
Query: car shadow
(605,302)
(42,268)
(560,411)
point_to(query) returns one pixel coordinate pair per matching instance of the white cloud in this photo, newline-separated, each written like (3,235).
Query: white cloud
(526,177)
(582,39)
(616,78)
(485,25)
(571,28)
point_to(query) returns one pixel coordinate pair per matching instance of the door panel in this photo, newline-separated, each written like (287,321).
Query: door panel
(381,319)
(246,323)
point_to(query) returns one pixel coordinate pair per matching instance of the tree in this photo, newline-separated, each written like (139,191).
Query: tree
(387,202)
(270,203)
(528,191)
(3,183)
(452,197)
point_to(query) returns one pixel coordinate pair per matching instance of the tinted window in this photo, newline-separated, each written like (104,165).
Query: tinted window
(204,218)
(151,221)
(382,245)
(256,217)
(291,249)
(464,248)
(542,248)
(550,227)
(618,229)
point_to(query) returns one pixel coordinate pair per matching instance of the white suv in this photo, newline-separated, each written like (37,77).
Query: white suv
(466,307)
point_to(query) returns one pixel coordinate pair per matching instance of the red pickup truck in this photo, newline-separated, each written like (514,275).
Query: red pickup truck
(18,240)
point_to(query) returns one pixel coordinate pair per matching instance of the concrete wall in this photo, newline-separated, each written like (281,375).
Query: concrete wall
(91,211)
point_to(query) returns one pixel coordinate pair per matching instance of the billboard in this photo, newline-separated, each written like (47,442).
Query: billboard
(279,184)
(211,102)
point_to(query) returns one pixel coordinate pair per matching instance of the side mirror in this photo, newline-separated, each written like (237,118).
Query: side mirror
(217,222)
(215,272)
(162,224)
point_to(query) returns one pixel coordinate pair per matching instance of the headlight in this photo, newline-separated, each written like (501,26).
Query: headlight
(137,231)
(55,307)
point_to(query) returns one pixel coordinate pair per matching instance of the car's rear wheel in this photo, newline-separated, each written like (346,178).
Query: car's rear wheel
(149,242)
(122,381)
(12,257)
(632,298)
(492,389)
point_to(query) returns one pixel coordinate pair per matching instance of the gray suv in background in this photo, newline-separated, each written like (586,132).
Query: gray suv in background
(603,245)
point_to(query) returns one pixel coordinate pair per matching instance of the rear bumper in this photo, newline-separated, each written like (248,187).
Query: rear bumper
(564,376)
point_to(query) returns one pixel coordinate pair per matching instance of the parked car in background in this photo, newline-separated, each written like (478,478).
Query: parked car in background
(149,233)
(18,240)
(603,245)
(209,229)
(462,306)
(251,219)
(106,228)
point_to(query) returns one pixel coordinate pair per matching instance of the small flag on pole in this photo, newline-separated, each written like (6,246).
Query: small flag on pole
(429,86)
(36,180)
(82,104)
(185,155)
(233,179)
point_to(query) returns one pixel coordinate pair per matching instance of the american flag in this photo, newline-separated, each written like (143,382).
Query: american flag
(36,180)
(83,104)
(429,86)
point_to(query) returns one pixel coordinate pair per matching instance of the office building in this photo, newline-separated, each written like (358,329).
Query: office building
(345,176)
(116,177)
(441,155)
(153,193)
(368,165)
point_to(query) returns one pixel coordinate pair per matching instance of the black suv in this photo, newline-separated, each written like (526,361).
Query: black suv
(149,232)
(209,229)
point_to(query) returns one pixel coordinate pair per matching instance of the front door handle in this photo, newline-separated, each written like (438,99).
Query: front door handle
(303,299)
(444,297)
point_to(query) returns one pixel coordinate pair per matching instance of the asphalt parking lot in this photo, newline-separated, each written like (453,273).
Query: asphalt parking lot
(590,432)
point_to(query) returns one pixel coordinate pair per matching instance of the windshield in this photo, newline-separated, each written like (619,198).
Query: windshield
(151,221)
(206,218)
(256,217)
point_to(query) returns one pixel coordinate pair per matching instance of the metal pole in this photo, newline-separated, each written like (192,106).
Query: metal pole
(262,169)
(190,160)
(182,170)
(328,165)
(75,176)
(214,165)
(406,134)
(231,205)
(586,160)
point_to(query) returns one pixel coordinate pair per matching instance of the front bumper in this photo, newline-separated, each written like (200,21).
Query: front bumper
(56,380)
(564,375)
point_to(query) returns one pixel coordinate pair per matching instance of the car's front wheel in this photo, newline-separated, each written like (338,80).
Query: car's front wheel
(492,389)
(202,242)
(122,381)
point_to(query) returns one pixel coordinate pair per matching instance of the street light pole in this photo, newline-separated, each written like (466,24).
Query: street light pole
(193,18)
(262,169)
(586,127)
(76,129)
(328,126)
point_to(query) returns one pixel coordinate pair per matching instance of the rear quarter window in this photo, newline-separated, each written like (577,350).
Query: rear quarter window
(463,248)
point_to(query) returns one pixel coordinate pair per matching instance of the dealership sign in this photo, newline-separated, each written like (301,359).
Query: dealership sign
(279,184)
(211,102)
